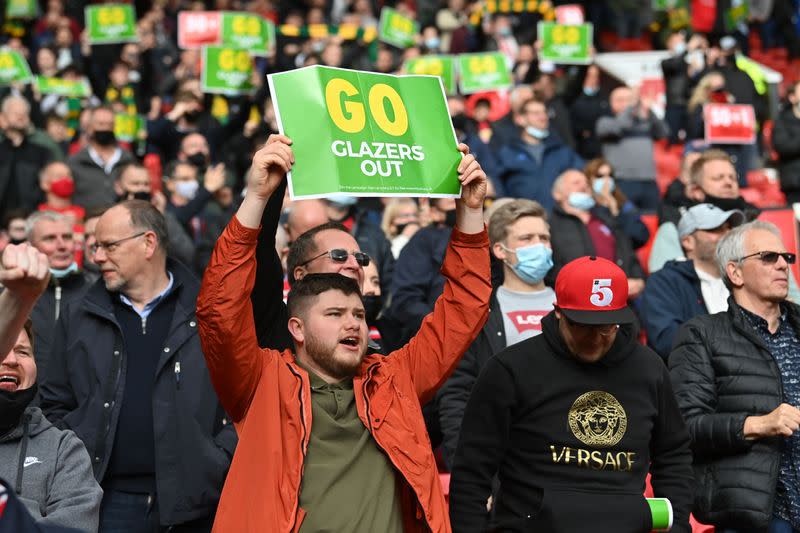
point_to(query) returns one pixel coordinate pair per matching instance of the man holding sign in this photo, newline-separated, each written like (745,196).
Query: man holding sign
(332,438)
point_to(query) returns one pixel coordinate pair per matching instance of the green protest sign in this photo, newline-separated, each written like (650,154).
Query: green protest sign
(13,68)
(243,30)
(111,23)
(226,70)
(366,134)
(396,29)
(22,9)
(483,72)
(62,87)
(565,44)
(128,127)
(442,66)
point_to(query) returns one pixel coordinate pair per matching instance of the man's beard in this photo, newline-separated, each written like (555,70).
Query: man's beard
(324,356)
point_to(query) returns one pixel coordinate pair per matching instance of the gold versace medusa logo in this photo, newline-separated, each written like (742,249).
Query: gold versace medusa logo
(597,419)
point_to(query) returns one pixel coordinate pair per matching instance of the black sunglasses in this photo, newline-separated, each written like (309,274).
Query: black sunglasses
(339,255)
(771,258)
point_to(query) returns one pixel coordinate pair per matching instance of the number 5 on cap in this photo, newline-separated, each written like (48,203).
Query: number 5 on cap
(601,292)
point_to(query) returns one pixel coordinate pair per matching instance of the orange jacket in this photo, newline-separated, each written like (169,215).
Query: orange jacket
(269,396)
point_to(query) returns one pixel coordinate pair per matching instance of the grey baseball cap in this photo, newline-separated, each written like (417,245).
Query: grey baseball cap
(706,217)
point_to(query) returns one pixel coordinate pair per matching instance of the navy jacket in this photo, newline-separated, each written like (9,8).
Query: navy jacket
(521,177)
(671,297)
(84,388)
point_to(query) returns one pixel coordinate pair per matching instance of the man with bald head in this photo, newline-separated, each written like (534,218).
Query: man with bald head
(580,227)
(20,159)
(129,378)
(627,141)
(304,215)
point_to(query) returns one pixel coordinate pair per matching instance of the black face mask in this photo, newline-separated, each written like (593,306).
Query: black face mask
(372,308)
(12,405)
(17,241)
(401,227)
(199,159)
(726,204)
(104,137)
(146,196)
(450,218)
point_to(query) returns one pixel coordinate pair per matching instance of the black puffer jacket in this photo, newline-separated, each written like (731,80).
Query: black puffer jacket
(722,373)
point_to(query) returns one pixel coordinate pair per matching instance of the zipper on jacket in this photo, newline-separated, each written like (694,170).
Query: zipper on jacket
(178,374)
(144,325)
(58,300)
(370,370)
(303,449)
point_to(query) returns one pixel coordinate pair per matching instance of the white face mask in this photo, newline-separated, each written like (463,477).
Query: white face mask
(187,189)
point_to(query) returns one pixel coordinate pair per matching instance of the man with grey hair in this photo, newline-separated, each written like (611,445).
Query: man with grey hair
(51,233)
(21,160)
(129,378)
(735,378)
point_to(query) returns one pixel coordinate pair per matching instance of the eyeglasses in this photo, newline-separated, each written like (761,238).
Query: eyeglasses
(339,255)
(770,258)
(110,247)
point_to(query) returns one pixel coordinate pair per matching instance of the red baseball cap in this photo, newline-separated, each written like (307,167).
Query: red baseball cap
(594,291)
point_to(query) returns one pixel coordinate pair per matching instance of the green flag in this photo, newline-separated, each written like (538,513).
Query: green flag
(565,44)
(22,9)
(128,127)
(366,134)
(483,72)
(62,87)
(396,29)
(13,68)
(111,23)
(442,66)
(243,30)
(226,70)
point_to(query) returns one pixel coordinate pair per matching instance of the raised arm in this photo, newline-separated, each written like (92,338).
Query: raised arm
(462,309)
(24,274)
(224,312)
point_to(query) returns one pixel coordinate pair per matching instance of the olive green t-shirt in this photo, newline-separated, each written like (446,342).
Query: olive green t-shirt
(348,482)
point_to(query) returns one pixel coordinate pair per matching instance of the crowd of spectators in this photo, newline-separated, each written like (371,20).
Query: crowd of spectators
(127,230)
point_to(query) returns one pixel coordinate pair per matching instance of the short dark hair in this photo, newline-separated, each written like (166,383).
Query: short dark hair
(305,291)
(145,217)
(305,246)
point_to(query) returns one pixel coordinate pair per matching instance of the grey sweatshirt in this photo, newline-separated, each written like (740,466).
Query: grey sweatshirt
(628,144)
(51,473)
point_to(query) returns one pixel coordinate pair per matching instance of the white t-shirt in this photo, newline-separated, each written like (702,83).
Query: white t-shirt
(523,312)
(715,294)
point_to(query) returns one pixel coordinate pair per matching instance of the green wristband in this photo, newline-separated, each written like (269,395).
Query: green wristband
(661,511)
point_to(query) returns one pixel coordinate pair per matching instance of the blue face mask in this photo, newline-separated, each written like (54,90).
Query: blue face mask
(536,133)
(533,262)
(580,200)
(679,48)
(432,43)
(600,183)
(505,31)
(591,91)
(59,273)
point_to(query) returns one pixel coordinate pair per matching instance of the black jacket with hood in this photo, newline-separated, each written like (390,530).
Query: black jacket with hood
(571,442)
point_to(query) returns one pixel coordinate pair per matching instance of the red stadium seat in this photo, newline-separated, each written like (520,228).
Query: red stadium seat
(785,220)
(643,253)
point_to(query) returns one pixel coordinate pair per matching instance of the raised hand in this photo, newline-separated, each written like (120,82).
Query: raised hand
(473,180)
(270,166)
(24,271)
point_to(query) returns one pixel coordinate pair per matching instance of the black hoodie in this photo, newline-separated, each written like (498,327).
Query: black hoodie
(571,442)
